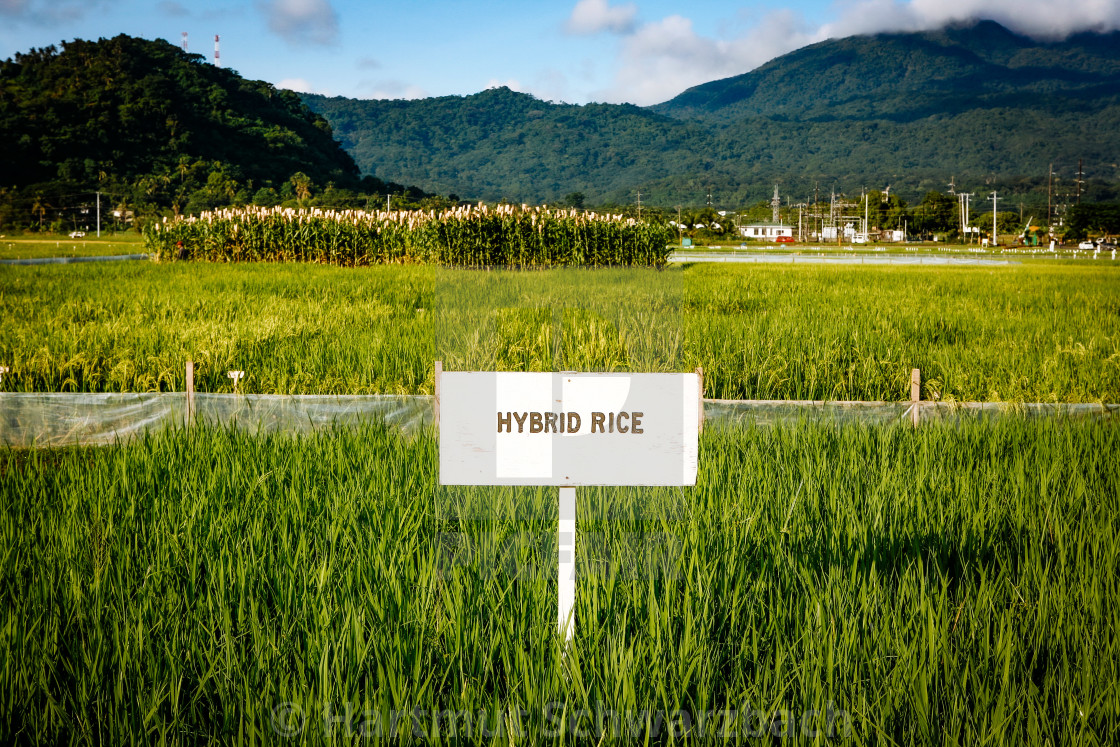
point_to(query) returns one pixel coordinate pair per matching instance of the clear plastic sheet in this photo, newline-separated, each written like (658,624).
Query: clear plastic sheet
(32,419)
(836,258)
(51,419)
(72,260)
(771,412)
(301,413)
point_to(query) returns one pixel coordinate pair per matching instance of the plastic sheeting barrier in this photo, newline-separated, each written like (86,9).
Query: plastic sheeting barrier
(769,412)
(33,419)
(72,260)
(838,259)
(52,419)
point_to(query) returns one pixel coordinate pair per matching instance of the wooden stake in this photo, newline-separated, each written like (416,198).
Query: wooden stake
(190,392)
(435,399)
(915,393)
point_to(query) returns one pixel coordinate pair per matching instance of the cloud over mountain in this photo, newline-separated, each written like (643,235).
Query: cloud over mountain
(302,21)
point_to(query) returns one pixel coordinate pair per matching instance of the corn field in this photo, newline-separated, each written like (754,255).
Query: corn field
(468,236)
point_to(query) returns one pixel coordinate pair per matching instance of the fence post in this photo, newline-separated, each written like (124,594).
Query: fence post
(190,392)
(435,399)
(915,394)
(700,395)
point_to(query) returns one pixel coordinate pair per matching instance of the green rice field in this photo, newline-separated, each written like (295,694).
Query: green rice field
(866,585)
(952,584)
(36,247)
(1035,332)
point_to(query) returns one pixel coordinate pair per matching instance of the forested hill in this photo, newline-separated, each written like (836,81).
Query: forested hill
(503,144)
(978,102)
(125,108)
(908,77)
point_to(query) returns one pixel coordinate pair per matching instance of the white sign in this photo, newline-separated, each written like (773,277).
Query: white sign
(568,429)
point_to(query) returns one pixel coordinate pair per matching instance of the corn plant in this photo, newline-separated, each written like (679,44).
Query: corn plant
(471,236)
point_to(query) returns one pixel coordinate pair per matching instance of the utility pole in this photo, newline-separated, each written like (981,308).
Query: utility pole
(832,215)
(967,211)
(995,202)
(1050,199)
(680,230)
(99,214)
(866,215)
(963,199)
(639,204)
(817,225)
(1080,178)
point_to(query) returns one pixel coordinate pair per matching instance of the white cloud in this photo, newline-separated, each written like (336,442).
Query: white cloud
(302,21)
(549,84)
(47,12)
(595,16)
(1037,18)
(660,59)
(171,8)
(392,89)
(301,85)
(511,83)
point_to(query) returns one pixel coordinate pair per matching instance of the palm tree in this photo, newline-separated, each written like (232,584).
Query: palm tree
(39,205)
(301,182)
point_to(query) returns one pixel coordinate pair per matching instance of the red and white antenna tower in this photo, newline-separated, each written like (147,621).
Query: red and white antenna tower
(184,41)
(217,52)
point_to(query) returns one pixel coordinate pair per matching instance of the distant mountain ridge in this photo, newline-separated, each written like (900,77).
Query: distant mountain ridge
(908,76)
(974,101)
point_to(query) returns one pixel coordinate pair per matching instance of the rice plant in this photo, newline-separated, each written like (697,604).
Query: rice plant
(1020,333)
(945,585)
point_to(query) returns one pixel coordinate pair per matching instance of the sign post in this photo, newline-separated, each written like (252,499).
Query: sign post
(566,575)
(567,430)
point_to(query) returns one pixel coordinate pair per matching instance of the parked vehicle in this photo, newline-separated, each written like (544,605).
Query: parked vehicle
(1087,245)
(77,234)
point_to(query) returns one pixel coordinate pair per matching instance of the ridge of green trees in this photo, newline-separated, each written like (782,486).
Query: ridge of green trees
(157,130)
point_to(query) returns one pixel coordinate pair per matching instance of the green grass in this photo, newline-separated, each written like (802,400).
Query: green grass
(945,585)
(28,247)
(1019,333)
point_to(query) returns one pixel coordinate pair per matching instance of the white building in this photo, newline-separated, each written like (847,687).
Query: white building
(766,231)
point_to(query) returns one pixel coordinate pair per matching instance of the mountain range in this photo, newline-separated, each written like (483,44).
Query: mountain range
(162,130)
(975,103)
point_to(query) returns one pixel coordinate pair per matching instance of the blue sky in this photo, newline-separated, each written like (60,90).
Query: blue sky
(642,52)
